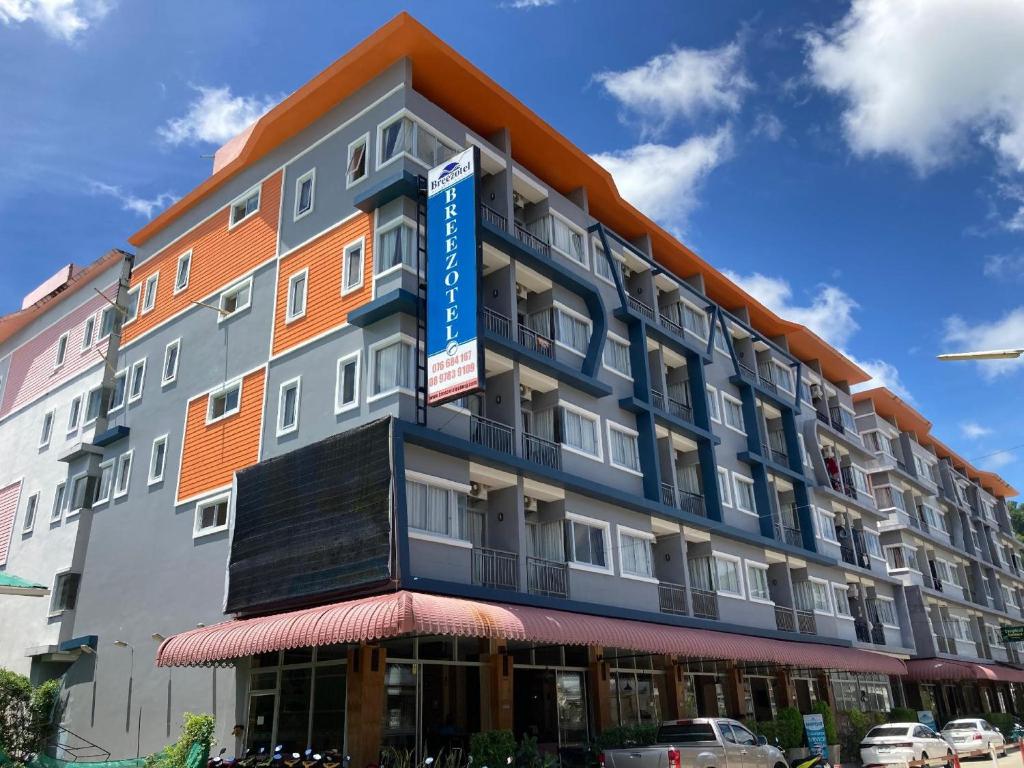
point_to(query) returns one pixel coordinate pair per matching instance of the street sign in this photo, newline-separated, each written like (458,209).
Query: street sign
(1012,634)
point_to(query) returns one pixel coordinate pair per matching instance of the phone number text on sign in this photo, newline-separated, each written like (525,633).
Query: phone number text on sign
(460,369)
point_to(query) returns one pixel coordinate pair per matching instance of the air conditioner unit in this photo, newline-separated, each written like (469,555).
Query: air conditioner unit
(477,491)
(627,273)
(529,503)
(525,393)
(521,291)
(518,200)
(816,392)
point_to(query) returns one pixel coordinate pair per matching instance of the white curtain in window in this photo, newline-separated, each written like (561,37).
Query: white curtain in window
(571,331)
(727,574)
(544,424)
(701,574)
(546,541)
(391,367)
(540,322)
(616,355)
(636,556)
(395,247)
(689,478)
(579,432)
(624,450)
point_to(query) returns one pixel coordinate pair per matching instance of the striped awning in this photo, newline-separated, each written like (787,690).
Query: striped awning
(15,585)
(945,670)
(402,613)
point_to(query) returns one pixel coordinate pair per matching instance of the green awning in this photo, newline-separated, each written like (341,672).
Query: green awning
(15,585)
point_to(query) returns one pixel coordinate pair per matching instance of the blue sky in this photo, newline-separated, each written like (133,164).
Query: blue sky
(859,167)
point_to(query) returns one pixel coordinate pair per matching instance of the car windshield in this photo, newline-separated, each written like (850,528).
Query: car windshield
(685,733)
(960,725)
(881,731)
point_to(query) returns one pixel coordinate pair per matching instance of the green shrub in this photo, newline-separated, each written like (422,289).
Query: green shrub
(853,727)
(26,715)
(822,708)
(902,715)
(195,729)
(492,749)
(626,736)
(786,730)
(529,755)
(1000,720)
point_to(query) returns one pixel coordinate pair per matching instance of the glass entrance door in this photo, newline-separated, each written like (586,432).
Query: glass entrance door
(260,730)
(551,705)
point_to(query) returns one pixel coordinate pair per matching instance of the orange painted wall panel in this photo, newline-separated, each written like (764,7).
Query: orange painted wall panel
(326,308)
(219,255)
(212,453)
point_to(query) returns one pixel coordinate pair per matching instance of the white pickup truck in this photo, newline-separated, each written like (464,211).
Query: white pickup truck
(700,743)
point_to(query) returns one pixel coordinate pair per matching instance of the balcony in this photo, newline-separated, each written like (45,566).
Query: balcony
(775,454)
(547,578)
(492,434)
(541,451)
(644,310)
(878,635)
(705,604)
(792,536)
(687,501)
(766,377)
(672,598)
(493,218)
(496,569)
(945,644)
(806,623)
(500,325)
(863,633)
(785,619)
(490,216)
(675,407)
(836,419)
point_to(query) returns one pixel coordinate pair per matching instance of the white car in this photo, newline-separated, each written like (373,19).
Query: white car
(901,743)
(972,734)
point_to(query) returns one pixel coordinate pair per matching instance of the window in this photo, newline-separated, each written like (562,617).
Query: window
(117,392)
(356,168)
(124,470)
(182,272)
(406,136)
(75,413)
(585,542)
(47,429)
(713,410)
(352,268)
(757,583)
(149,295)
(436,509)
(695,321)
(31,507)
(157,459)
(288,407)
(65,592)
(732,409)
(108,320)
(727,575)
(840,594)
(346,393)
(636,557)
(87,331)
(224,402)
(170,371)
(106,482)
(616,356)
(572,331)
(872,543)
(896,558)
(93,405)
(885,608)
(723,487)
(136,380)
(58,503)
(812,595)
(567,240)
(745,501)
(580,432)
(131,310)
(602,267)
(79,499)
(827,526)
(994,637)
(245,206)
(622,448)
(61,352)
(296,296)
(783,376)
(235,299)
(392,367)
(395,246)
(304,190)
(211,516)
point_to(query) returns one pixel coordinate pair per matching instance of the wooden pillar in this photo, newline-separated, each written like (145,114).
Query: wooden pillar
(735,700)
(599,685)
(366,667)
(676,705)
(498,707)
(785,692)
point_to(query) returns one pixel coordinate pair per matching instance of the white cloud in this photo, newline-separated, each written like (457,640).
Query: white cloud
(129,202)
(997,460)
(1003,267)
(662,181)
(215,116)
(768,125)
(63,19)
(883,374)
(530,3)
(681,83)
(1005,333)
(922,79)
(973,430)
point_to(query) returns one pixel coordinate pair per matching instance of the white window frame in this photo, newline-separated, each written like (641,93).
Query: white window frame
(724,487)
(835,604)
(585,264)
(869,534)
(164,379)
(32,502)
(110,464)
(223,390)
(286,385)
(828,596)
(310,176)
(86,501)
(114,312)
(741,582)
(230,291)
(892,602)
(737,480)
(88,398)
(152,478)
(46,433)
(611,426)
(615,338)
(255,190)
(150,288)
(405,113)
(186,256)
(594,419)
(361,245)
(600,256)
(340,407)
(714,407)
(559,307)
(57,509)
(290,315)
(73,424)
(726,397)
(197,532)
(129,396)
(122,460)
(650,538)
(52,610)
(133,303)
(763,567)
(371,355)
(607,540)
(822,512)
(381,230)
(60,353)
(88,332)
(365,140)
(111,408)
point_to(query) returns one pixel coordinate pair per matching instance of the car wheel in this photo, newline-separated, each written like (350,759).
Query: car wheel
(924,756)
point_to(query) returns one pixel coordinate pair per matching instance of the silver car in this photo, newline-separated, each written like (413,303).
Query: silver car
(973,734)
(901,743)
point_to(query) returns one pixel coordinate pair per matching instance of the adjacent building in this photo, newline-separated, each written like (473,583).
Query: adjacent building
(664,500)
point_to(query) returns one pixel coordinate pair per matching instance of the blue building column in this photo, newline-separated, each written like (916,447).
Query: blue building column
(705,448)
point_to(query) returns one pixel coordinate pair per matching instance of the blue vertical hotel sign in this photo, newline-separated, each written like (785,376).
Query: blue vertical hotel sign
(454,359)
